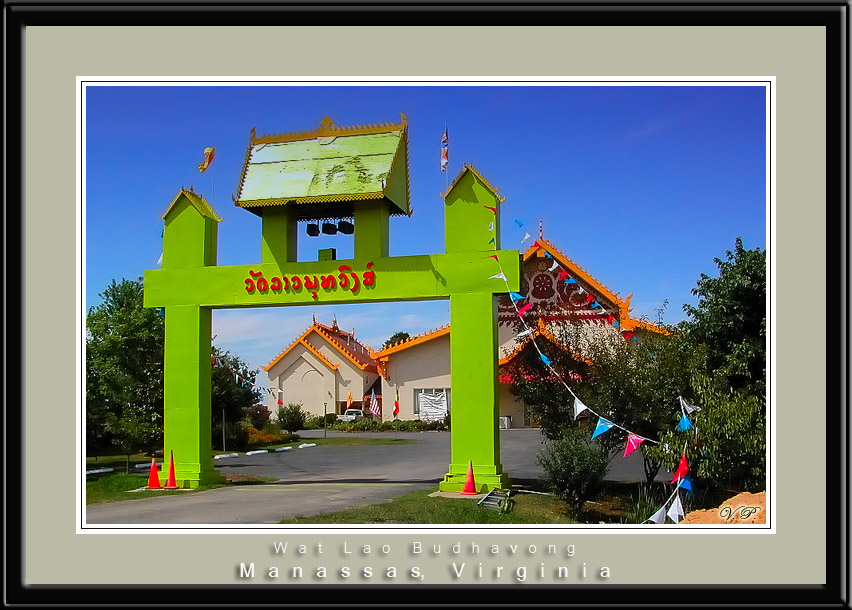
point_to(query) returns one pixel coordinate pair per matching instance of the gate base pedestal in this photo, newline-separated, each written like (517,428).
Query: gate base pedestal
(454,481)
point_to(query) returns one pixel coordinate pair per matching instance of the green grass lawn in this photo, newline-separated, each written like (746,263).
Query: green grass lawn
(417,508)
(120,486)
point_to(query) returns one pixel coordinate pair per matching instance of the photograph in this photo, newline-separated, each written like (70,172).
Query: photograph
(472,305)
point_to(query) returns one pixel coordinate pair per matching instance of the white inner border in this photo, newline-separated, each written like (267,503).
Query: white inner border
(82,82)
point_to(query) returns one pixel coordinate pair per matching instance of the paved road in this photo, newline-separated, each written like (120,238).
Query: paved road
(327,478)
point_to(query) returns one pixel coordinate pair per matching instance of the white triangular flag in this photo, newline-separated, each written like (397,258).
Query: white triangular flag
(499,276)
(579,407)
(553,266)
(490,226)
(658,517)
(160,260)
(526,237)
(688,407)
(676,510)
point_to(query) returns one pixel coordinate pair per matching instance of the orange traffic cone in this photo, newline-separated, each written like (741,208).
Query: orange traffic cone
(171,483)
(154,477)
(469,485)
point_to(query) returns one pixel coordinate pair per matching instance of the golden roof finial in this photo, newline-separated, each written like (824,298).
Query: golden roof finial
(326,123)
(334,324)
(314,315)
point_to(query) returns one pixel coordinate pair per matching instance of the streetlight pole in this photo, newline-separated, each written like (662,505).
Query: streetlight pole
(324,420)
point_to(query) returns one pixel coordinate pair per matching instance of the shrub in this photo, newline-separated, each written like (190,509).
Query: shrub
(574,467)
(258,438)
(257,416)
(236,437)
(291,417)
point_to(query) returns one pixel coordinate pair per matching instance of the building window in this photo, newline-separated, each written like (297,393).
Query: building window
(431,404)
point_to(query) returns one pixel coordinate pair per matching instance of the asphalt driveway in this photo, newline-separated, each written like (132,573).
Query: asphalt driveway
(321,479)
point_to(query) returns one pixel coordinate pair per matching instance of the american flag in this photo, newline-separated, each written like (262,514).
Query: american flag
(374,405)
(445,150)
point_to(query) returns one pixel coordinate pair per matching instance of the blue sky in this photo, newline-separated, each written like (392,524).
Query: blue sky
(643,186)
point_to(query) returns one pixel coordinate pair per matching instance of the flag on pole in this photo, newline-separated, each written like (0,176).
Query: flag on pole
(349,400)
(208,157)
(445,150)
(374,405)
(396,404)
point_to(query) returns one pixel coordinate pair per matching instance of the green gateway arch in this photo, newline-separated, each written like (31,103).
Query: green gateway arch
(356,177)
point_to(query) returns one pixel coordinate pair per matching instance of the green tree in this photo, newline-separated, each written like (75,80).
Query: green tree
(124,371)
(232,393)
(291,418)
(636,385)
(730,320)
(396,338)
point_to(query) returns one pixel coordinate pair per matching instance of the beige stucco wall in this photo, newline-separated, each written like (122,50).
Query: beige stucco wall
(305,379)
(422,366)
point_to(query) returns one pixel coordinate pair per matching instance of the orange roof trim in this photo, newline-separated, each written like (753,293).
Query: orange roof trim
(410,342)
(326,333)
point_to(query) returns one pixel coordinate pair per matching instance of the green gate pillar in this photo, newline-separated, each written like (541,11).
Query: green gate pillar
(472,224)
(189,242)
(186,388)
(372,230)
(279,235)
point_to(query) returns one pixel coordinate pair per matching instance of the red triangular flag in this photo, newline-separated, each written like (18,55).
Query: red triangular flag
(682,469)
(562,275)
(524,308)
(633,442)
(490,208)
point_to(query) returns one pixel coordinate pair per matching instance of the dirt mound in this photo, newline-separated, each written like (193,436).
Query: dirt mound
(742,508)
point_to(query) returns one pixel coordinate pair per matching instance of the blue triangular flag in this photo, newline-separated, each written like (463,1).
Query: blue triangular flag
(686,484)
(545,359)
(615,322)
(520,224)
(603,426)
(547,254)
(491,241)
(596,304)
(684,423)
(516,297)
(570,280)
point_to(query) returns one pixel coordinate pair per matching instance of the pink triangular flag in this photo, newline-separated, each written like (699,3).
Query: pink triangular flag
(524,308)
(682,469)
(633,442)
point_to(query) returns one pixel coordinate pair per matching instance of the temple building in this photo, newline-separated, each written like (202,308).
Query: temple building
(325,364)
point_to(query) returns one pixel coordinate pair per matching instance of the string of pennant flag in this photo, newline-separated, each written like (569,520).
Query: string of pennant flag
(634,440)
(242,381)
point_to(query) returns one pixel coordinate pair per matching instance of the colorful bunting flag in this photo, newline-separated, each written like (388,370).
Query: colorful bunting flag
(349,400)
(554,265)
(491,241)
(676,511)
(396,403)
(526,237)
(516,297)
(682,469)
(445,150)
(658,517)
(595,305)
(633,442)
(570,280)
(524,308)
(545,359)
(208,157)
(562,275)
(488,207)
(491,226)
(579,407)
(603,426)
(686,484)
(688,407)
(499,276)
(519,223)
(684,423)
